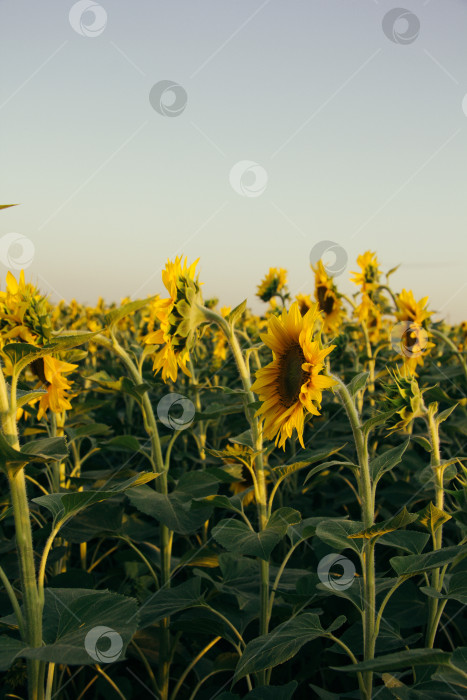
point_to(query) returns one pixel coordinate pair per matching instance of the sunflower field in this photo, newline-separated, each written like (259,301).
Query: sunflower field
(198,502)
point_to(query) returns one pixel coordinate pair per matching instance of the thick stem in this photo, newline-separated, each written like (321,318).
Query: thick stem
(19,501)
(436,583)
(368,511)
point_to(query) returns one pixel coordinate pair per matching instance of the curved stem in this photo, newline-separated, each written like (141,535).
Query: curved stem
(191,665)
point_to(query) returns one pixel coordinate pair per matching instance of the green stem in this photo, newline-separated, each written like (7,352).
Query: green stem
(19,501)
(368,514)
(437,536)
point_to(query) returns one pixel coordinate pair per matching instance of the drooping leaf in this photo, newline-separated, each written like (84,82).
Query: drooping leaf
(167,601)
(417,563)
(280,645)
(385,462)
(398,521)
(116,315)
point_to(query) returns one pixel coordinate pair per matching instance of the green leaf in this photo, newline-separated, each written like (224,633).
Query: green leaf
(64,505)
(457,589)
(5,206)
(175,510)
(73,619)
(116,315)
(43,450)
(245,438)
(236,313)
(358,383)
(417,563)
(399,660)
(398,521)
(236,536)
(9,650)
(167,601)
(335,533)
(410,541)
(433,517)
(385,462)
(280,645)
(441,417)
(379,419)
(22,354)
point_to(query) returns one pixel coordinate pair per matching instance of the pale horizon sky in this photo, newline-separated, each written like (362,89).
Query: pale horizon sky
(343,122)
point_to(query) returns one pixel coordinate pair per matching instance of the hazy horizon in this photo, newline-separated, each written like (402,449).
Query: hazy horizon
(241,133)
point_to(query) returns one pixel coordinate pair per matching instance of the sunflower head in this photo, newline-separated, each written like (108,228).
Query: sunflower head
(411,310)
(368,276)
(24,313)
(328,299)
(179,317)
(405,395)
(304,302)
(273,284)
(291,385)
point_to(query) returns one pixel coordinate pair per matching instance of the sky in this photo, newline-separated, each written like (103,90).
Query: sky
(244,133)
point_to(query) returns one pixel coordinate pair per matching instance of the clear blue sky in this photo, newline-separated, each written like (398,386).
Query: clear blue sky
(363,141)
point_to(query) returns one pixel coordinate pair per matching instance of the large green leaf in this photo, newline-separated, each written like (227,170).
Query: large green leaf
(385,462)
(65,505)
(400,660)
(43,450)
(116,315)
(398,521)
(22,354)
(236,536)
(167,601)
(178,510)
(417,563)
(457,589)
(336,534)
(282,643)
(9,650)
(78,625)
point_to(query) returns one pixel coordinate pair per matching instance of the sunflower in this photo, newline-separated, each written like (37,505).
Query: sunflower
(178,319)
(368,277)
(328,299)
(292,383)
(274,283)
(24,313)
(370,313)
(304,302)
(411,333)
(50,372)
(411,310)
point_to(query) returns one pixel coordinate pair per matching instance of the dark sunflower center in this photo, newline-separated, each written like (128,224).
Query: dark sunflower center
(325,301)
(291,375)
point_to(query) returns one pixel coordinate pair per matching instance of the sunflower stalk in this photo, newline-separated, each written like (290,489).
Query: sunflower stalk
(260,487)
(32,624)
(366,494)
(158,465)
(438,471)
